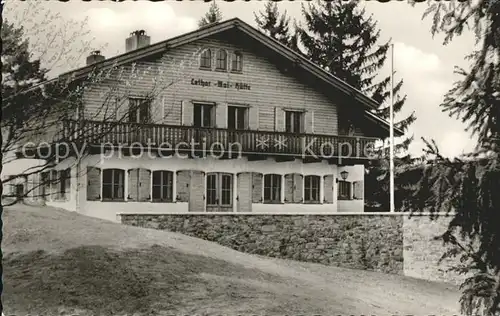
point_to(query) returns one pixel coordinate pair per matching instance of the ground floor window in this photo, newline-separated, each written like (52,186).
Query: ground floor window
(219,191)
(64,184)
(311,189)
(55,184)
(162,186)
(344,190)
(113,184)
(272,188)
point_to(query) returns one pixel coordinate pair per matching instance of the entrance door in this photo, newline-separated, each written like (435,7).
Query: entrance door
(219,192)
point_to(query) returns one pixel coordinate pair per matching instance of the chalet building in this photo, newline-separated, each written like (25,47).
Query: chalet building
(232,121)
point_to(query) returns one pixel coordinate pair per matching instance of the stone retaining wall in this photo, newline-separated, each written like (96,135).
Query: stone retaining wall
(390,243)
(422,252)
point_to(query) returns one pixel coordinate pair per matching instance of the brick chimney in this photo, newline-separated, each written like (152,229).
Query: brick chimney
(137,40)
(95,57)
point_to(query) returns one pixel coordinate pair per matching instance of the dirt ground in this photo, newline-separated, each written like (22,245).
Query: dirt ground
(62,263)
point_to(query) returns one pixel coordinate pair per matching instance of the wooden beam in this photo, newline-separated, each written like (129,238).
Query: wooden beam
(256,157)
(284,158)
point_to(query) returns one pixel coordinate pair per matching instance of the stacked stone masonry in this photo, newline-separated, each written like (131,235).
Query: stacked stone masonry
(384,243)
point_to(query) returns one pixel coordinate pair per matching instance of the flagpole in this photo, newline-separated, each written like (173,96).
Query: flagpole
(391,134)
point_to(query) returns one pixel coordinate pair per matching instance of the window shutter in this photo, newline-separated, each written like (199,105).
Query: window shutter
(298,188)
(182,186)
(253,118)
(328,189)
(196,191)
(279,120)
(245,192)
(309,122)
(44,185)
(93,184)
(37,187)
(289,188)
(144,185)
(133,185)
(358,190)
(221,115)
(29,187)
(121,109)
(187,113)
(256,187)
(67,183)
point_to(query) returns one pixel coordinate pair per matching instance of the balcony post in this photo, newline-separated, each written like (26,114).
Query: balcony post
(357,147)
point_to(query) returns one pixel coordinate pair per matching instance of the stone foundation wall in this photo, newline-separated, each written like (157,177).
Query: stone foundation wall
(422,252)
(390,243)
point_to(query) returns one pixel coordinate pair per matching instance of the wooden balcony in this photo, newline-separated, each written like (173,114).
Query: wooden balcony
(188,138)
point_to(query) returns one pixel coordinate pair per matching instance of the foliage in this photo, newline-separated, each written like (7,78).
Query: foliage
(213,15)
(469,187)
(276,26)
(41,112)
(341,38)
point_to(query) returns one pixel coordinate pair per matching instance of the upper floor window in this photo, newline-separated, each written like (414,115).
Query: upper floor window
(113,187)
(204,115)
(237,117)
(272,188)
(294,122)
(237,62)
(162,186)
(311,189)
(344,190)
(221,60)
(206,59)
(139,110)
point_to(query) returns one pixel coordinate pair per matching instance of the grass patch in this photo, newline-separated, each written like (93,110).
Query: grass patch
(62,263)
(109,282)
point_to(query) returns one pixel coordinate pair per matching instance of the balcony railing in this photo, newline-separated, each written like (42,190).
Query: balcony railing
(186,138)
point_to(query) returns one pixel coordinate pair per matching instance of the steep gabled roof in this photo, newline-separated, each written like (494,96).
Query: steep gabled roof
(235,23)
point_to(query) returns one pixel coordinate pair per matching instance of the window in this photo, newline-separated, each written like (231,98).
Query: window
(206,59)
(54,181)
(236,117)
(113,184)
(55,184)
(311,189)
(344,190)
(203,115)
(272,188)
(19,191)
(236,62)
(162,186)
(219,192)
(139,110)
(221,60)
(293,122)
(64,184)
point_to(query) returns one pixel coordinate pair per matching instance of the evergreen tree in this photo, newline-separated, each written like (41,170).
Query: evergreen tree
(212,16)
(19,73)
(343,40)
(276,25)
(471,185)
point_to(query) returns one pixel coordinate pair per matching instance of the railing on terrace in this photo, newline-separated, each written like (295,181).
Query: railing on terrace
(177,137)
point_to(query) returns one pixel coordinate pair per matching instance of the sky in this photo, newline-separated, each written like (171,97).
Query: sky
(423,62)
